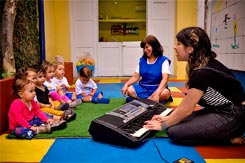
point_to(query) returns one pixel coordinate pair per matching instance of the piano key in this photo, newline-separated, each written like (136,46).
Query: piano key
(139,132)
(142,130)
(166,112)
(129,131)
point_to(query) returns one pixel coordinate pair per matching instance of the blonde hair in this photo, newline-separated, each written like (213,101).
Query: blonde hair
(57,63)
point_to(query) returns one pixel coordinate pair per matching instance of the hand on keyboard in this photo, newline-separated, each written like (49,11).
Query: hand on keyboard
(153,125)
(160,117)
(156,121)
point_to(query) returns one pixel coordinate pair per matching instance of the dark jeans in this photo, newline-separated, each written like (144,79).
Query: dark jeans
(210,125)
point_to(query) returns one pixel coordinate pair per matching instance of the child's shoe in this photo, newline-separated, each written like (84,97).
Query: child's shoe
(75,103)
(170,99)
(58,125)
(44,128)
(63,107)
(69,115)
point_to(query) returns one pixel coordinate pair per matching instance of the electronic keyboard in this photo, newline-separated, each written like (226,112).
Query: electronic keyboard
(124,125)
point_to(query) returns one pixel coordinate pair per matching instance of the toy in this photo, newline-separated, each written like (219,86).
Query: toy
(85,60)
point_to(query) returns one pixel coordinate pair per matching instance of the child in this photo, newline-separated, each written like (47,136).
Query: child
(25,118)
(62,85)
(30,73)
(86,88)
(46,103)
(49,74)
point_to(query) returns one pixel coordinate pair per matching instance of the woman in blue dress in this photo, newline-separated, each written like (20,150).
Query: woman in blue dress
(151,76)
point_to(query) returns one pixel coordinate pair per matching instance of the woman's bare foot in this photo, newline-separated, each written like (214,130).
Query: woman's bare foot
(238,140)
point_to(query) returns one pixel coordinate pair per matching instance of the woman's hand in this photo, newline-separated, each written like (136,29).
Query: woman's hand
(154,97)
(132,80)
(125,90)
(158,118)
(153,125)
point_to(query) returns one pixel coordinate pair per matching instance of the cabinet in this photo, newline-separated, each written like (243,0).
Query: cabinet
(118,58)
(131,52)
(124,29)
(122,20)
(109,57)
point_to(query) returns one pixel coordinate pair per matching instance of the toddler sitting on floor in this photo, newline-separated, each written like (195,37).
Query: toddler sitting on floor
(86,88)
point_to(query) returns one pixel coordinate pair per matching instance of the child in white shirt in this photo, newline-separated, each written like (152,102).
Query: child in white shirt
(59,86)
(86,88)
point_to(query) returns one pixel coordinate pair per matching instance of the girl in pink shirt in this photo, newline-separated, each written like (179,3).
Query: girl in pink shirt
(25,117)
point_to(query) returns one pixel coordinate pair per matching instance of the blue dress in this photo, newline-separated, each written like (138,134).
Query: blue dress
(151,76)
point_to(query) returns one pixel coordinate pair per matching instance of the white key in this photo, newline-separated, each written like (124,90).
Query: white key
(166,112)
(141,131)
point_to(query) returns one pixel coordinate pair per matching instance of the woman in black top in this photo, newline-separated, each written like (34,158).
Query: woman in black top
(211,85)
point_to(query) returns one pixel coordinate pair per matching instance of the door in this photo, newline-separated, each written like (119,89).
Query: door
(131,54)
(160,23)
(84,30)
(110,59)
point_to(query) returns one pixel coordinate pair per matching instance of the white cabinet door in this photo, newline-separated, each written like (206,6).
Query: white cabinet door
(160,23)
(84,30)
(131,54)
(110,59)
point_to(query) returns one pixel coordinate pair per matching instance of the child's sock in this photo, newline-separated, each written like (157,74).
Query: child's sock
(75,103)
(94,100)
(103,101)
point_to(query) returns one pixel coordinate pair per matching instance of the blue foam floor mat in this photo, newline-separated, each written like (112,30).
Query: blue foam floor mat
(113,90)
(157,150)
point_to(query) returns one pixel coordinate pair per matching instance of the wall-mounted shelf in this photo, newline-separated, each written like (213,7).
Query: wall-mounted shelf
(124,29)
(121,20)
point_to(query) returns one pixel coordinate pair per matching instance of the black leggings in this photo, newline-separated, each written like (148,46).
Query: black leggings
(210,125)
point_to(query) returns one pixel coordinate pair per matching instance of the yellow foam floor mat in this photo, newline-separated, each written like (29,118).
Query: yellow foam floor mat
(12,150)
(174,89)
(175,102)
(110,80)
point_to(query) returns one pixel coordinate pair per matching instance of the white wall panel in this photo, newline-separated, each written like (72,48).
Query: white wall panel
(227,31)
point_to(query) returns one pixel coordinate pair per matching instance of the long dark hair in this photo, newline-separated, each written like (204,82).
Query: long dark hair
(202,53)
(157,48)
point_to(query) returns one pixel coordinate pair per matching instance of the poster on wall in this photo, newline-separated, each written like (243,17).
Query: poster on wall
(227,32)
